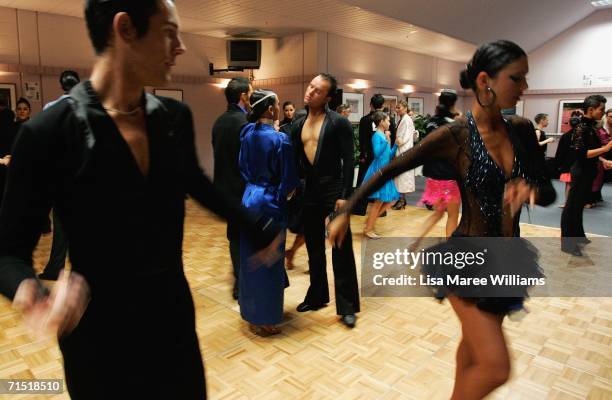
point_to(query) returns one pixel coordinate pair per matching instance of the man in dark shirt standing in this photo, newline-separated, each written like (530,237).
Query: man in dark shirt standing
(366,130)
(226,148)
(7,136)
(585,149)
(116,164)
(323,142)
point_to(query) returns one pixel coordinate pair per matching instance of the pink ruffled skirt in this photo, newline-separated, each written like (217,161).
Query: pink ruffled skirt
(440,193)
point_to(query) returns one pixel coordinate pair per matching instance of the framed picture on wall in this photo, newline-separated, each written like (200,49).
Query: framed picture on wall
(7,94)
(176,94)
(566,107)
(416,104)
(355,102)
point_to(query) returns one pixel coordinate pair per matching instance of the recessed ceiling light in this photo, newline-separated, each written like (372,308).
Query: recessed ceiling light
(601,3)
(358,85)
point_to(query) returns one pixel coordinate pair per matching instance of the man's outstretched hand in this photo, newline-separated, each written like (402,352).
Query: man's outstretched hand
(58,313)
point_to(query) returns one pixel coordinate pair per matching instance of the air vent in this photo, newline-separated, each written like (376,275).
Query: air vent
(248,34)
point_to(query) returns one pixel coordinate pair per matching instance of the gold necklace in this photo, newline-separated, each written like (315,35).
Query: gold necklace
(125,113)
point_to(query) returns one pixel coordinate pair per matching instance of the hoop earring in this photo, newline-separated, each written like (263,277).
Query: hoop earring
(491,102)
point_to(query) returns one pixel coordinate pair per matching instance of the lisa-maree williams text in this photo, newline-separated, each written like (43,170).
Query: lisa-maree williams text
(458,260)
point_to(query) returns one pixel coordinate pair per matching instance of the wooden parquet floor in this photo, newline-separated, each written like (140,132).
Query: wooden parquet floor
(402,348)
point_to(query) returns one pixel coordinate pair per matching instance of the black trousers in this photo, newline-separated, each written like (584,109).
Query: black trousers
(579,193)
(59,249)
(343,261)
(233,236)
(362,206)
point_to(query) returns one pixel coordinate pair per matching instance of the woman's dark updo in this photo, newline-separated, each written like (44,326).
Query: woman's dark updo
(446,102)
(258,109)
(491,58)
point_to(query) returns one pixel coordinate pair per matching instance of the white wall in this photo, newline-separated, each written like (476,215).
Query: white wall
(557,67)
(389,67)
(582,49)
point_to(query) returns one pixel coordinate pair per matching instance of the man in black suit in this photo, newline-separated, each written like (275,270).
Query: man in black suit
(323,141)
(366,155)
(226,149)
(116,164)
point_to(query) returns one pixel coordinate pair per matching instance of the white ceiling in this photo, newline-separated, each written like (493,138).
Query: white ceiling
(448,29)
(221,18)
(530,23)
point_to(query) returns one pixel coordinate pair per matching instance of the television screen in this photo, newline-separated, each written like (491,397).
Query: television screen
(244,53)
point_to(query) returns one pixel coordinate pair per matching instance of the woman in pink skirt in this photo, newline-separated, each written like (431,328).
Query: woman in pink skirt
(567,178)
(441,191)
(444,195)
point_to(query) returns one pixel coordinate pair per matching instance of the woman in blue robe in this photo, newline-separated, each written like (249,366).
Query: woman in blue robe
(268,169)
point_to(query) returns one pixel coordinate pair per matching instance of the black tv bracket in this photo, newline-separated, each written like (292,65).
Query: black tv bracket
(212,70)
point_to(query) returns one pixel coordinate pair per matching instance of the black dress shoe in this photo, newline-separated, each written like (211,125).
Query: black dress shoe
(583,240)
(303,307)
(575,251)
(349,320)
(47,277)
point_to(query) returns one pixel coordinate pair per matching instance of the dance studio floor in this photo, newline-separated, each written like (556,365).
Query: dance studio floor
(402,348)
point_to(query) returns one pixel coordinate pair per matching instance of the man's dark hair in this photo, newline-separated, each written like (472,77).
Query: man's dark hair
(446,102)
(378,117)
(99,15)
(333,83)
(377,101)
(540,117)
(68,80)
(447,98)
(23,100)
(594,100)
(235,88)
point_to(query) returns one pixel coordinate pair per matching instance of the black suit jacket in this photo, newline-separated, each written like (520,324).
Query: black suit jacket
(330,177)
(226,149)
(365,138)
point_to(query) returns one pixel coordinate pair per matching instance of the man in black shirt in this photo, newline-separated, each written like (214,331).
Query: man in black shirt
(116,164)
(7,136)
(366,130)
(323,141)
(226,148)
(585,147)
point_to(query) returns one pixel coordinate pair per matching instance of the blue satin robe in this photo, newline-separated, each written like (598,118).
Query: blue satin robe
(268,168)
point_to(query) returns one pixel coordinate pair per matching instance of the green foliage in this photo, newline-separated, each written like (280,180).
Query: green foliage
(420,122)
(356,142)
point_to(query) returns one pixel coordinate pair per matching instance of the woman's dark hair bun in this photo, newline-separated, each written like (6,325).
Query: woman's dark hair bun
(464,79)
(491,58)
(259,106)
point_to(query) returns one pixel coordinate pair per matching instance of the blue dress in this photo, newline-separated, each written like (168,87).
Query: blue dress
(383,153)
(268,168)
